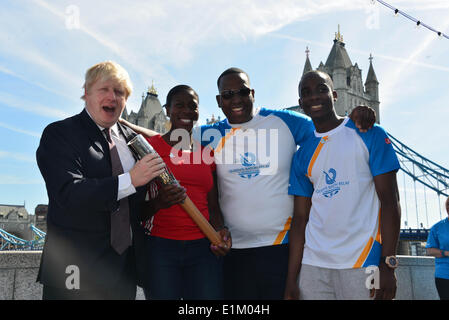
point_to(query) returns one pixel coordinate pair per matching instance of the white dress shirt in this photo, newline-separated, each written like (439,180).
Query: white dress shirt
(125,187)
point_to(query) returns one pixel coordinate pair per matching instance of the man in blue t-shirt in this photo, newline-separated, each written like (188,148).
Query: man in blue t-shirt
(438,247)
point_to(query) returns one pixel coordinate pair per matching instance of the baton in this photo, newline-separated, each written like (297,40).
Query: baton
(141,147)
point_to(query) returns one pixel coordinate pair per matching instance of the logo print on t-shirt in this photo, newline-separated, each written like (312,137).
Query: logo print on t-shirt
(329,179)
(250,169)
(248,159)
(332,186)
(250,166)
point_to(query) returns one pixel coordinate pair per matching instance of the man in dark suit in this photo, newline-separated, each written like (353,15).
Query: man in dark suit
(96,191)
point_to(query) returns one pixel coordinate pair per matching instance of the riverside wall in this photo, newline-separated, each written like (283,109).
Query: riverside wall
(18,272)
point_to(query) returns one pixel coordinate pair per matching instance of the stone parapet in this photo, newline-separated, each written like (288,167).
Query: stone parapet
(416,278)
(18,273)
(19,269)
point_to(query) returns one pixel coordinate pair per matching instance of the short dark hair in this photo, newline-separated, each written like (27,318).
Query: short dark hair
(230,71)
(319,73)
(175,90)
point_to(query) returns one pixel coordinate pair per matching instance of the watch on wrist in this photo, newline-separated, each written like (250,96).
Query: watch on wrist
(391,261)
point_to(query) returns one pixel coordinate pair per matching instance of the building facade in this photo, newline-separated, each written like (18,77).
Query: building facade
(347,78)
(151,114)
(15,220)
(40,217)
(213,120)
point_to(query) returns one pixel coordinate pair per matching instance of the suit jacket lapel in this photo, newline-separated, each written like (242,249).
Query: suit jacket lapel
(128,134)
(94,133)
(97,138)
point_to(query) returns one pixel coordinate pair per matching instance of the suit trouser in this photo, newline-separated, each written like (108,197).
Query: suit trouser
(256,273)
(125,288)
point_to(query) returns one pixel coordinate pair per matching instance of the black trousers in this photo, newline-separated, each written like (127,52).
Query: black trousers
(125,288)
(256,273)
(442,288)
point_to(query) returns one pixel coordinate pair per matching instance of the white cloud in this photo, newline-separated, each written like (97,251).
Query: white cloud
(5,70)
(419,4)
(17,156)
(27,132)
(169,31)
(366,53)
(147,35)
(26,50)
(403,68)
(14,180)
(11,101)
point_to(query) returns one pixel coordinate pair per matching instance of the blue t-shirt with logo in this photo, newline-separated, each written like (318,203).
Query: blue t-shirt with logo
(439,239)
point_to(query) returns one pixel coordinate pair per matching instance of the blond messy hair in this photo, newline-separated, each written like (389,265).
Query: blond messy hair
(107,70)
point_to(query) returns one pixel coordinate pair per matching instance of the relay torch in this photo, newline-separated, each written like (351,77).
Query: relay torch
(141,147)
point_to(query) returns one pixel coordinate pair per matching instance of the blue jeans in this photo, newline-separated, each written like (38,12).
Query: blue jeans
(184,269)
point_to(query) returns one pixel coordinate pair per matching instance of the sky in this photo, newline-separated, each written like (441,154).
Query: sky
(46,47)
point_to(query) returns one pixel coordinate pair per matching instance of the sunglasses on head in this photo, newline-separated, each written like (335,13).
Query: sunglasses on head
(228,94)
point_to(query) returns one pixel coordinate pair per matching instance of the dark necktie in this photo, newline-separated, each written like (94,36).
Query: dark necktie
(120,227)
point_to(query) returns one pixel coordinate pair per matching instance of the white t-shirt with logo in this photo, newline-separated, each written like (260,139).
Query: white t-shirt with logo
(253,162)
(336,170)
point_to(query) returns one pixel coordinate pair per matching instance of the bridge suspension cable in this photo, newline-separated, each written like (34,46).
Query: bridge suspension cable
(420,169)
(429,173)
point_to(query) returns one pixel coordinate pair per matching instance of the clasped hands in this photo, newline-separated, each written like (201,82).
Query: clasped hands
(170,194)
(151,166)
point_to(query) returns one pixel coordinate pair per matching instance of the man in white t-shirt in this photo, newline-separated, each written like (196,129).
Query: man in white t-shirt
(346,220)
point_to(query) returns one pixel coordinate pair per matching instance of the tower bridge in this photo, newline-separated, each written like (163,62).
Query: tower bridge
(423,184)
(9,241)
